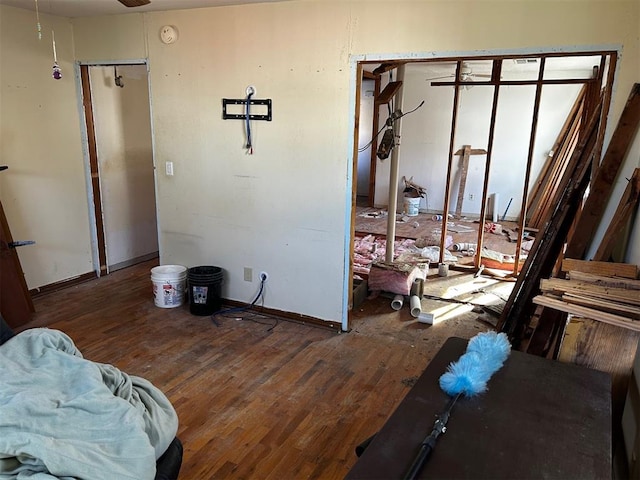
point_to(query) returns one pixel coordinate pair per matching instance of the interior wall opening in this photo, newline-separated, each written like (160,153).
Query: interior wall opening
(483,139)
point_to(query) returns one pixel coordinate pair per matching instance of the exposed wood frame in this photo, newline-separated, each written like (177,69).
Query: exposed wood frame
(374,130)
(354,182)
(452,138)
(496,72)
(87,104)
(496,82)
(527,174)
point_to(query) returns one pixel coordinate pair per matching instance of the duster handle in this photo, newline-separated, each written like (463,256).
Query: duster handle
(428,444)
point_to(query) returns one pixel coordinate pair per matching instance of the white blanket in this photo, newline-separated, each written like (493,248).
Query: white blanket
(62,416)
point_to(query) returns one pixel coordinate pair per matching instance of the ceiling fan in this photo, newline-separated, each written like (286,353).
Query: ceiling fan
(466,74)
(134,3)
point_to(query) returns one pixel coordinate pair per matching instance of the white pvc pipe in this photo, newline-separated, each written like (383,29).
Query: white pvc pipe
(494,209)
(397,302)
(393,172)
(416,306)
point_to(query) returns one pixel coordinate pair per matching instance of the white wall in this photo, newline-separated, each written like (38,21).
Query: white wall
(283,209)
(364,136)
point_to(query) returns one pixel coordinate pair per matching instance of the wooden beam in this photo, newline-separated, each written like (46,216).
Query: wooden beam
(466,151)
(602,184)
(447,187)
(388,92)
(373,161)
(622,295)
(629,311)
(385,67)
(496,72)
(627,206)
(607,269)
(611,319)
(603,281)
(555,164)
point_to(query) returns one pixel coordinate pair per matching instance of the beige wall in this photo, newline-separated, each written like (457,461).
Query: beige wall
(43,192)
(283,209)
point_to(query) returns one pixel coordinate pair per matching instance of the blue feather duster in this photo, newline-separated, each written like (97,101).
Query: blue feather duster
(486,353)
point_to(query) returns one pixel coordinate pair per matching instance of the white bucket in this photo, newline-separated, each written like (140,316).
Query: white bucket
(168,285)
(411,206)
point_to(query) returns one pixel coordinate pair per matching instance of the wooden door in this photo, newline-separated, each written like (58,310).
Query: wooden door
(15,301)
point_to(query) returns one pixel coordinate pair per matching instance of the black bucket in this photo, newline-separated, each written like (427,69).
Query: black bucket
(205,290)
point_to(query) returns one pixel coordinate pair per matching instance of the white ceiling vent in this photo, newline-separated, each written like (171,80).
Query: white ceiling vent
(525,61)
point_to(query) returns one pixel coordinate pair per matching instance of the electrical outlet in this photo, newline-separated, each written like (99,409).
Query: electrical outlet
(169,168)
(264,276)
(471,196)
(248,274)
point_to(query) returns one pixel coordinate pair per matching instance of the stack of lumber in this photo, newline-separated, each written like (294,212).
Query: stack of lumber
(602,291)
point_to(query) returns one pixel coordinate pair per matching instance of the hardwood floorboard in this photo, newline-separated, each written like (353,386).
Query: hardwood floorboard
(269,400)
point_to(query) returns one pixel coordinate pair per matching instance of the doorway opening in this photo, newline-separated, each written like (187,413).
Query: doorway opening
(115,98)
(480,151)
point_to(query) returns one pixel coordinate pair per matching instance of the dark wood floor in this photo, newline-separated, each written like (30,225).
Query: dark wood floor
(256,398)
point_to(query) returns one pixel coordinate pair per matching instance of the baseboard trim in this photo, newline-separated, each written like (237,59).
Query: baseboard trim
(290,316)
(69,282)
(133,261)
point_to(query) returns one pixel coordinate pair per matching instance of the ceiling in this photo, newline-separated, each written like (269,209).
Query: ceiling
(90,8)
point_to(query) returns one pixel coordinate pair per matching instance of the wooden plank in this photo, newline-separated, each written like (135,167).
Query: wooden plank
(614,294)
(556,162)
(607,269)
(616,282)
(87,104)
(388,92)
(629,311)
(373,161)
(463,179)
(627,206)
(603,347)
(466,151)
(602,184)
(472,151)
(611,319)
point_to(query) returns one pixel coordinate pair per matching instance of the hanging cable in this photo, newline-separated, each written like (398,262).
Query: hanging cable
(392,117)
(38,26)
(248,109)
(246,307)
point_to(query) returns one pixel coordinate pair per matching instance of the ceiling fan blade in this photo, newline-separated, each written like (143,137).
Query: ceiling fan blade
(134,3)
(439,78)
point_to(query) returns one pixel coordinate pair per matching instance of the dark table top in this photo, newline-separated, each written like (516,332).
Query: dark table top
(539,418)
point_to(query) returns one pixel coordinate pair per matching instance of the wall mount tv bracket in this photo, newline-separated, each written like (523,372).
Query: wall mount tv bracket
(243,101)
